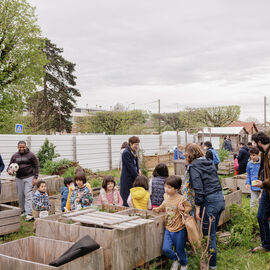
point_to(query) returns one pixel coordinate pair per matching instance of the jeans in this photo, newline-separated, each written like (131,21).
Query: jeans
(178,240)
(214,205)
(262,216)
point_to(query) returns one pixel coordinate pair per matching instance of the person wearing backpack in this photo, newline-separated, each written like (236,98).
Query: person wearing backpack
(211,153)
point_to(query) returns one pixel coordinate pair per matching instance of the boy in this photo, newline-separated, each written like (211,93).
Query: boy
(40,199)
(175,232)
(211,153)
(253,168)
(68,182)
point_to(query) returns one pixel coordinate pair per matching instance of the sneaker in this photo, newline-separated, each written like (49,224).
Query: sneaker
(183,267)
(175,265)
(28,217)
(23,214)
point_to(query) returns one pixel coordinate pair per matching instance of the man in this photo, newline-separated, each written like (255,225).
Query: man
(26,177)
(262,141)
(243,157)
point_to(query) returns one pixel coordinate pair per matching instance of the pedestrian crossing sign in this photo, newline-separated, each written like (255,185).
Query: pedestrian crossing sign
(19,128)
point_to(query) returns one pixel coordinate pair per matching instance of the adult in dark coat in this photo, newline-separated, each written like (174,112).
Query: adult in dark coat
(130,168)
(227,144)
(243,157)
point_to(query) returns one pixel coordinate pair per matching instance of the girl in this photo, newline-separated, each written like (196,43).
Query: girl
(139,196)
(236,165)
(208,194)
(156,185)
(109,193)
(81,196)
(175,232)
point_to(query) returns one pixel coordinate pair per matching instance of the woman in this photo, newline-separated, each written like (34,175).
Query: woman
(130,168)
(208,194)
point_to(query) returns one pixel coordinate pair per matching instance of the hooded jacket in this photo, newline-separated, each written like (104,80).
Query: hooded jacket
(243,155)
(252,173)
(28,164)
(140,197)
(203,179)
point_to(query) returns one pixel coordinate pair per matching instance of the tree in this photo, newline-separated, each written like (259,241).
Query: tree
(172,121)
(21,58)
(53,105)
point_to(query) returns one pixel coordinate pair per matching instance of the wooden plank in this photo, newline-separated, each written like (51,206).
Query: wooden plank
(10,228)
(9,220)
(77,213)
(122,220)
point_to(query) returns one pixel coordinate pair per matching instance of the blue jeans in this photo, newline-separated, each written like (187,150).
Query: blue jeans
(178,240)
(214,205)
(262,216)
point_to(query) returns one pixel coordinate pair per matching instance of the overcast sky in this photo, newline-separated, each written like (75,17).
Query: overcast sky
(185,53)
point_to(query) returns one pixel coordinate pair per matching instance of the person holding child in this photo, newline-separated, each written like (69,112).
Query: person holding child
(40,199)
(156,184)
(109,193)
(175,234)
(253,168)
(139,196)
(208,194)
(68,183)
(81,196)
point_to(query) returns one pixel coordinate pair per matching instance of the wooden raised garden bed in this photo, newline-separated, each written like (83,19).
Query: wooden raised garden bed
(226,167)
(179,167)
(122,237)
(237,183)
(152,161)
(232,198)
(35,253)
(10,219)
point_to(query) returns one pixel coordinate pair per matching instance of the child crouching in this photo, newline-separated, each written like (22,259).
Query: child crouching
(175,232)
(40,199)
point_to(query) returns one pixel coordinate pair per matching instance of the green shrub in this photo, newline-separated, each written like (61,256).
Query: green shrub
(52,167)
(223,154)
(70,172)
(96,183)
(46,153)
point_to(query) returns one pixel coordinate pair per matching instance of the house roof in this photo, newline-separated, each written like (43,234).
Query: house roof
(223,130)
(247,125)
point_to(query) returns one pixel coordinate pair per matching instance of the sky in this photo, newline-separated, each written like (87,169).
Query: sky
(185,53)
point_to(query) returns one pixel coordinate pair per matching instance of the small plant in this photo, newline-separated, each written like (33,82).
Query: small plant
(95,183)
(53,167)
(223,154)
(70,172)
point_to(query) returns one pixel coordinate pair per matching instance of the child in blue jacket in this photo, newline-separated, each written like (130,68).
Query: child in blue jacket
(68,181)
(253,168)
(177,153)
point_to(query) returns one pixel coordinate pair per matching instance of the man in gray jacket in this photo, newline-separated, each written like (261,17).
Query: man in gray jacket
(26,177)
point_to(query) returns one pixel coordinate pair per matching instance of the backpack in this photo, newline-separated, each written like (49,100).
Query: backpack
(216,158)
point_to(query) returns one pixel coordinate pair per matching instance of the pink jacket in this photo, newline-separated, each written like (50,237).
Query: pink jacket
(236,165)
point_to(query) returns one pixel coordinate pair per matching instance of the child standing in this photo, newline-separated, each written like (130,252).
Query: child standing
(109,193)
(156,184)
(139,196)
(236,165)
(68,182)
(81,196)
(175,232)
(40,199)
(253,168)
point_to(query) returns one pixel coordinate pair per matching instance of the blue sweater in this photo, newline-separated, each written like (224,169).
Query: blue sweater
(252,173)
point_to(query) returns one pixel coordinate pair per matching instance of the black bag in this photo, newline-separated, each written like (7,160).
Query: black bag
(82,247)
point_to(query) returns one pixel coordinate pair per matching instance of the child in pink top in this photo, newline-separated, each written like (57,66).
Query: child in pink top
(109,193)
(236,165)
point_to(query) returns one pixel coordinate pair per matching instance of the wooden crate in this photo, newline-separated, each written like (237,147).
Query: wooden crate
(10,219)
(226,167)
(35,253)
(53,183)
(123,244)
(55,203)
(179,167)
(232,198)
(152,161)
(230,183)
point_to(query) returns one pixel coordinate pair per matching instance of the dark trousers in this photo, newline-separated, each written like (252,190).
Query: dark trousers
(262,216)
(242,168)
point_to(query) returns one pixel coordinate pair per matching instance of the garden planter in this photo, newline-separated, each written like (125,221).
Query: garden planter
(10,219)
(152,161)
(226,167)
(35,253)
(179,167)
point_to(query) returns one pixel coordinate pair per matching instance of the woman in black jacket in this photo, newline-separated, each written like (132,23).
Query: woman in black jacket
(208,194)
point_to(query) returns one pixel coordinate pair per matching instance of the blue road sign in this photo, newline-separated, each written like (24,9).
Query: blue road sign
(19,128)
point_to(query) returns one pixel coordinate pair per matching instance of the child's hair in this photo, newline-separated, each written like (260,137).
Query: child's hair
(208,144)
(40,182)
(161,170)
(174,181)
(254,150)
(141,181)
(67,181)
(234,156)
(80,176)
(193,151)
(249,143)
(107,180)
(124,145)
(241,143)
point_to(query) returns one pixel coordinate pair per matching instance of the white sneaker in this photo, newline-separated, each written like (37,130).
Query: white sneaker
(28,217)
(183,267)
(175,265)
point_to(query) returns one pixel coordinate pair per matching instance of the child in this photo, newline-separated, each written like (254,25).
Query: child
(156,184)
(253,168)
(236,165)
(68,182)
(175,232)
(40,199)
(139,196)
(109,193)
(177,153)
(81,196)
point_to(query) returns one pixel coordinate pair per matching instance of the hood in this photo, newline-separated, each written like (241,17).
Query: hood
(203,164)
(245,148)
(138,193)
(26,151)
(257,162)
